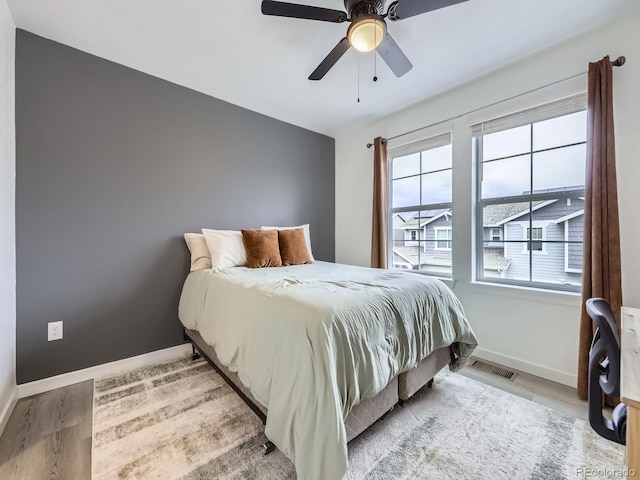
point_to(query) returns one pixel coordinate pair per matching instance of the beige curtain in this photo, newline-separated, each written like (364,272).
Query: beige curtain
(380,224)
(601,273)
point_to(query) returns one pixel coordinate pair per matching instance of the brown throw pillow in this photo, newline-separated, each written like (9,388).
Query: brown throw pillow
(293,247)
(262,248)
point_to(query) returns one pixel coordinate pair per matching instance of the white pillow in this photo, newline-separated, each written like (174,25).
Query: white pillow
(307,237)
(226,248)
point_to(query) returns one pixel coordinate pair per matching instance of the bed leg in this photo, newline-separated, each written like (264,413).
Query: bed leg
(430,383)
(194,355)
(268,447)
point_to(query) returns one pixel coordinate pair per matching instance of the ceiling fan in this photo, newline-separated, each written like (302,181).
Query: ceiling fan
(368,29)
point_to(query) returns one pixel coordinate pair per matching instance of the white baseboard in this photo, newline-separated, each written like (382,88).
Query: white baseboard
(534,369)
(66,379)
(7,410)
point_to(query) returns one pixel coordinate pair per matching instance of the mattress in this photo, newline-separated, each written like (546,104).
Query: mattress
(312,341)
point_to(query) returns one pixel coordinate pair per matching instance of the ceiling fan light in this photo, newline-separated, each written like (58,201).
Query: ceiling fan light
(366,34)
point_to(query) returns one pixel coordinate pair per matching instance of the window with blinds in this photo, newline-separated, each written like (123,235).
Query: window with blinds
(530,195)
(420,191)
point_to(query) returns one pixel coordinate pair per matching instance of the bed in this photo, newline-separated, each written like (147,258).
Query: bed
(323,350)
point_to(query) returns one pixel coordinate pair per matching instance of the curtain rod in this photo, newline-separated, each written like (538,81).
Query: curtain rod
(618,62)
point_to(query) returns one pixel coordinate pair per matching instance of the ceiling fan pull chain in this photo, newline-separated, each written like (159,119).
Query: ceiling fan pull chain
(358,57)
(375,59)
(375,67)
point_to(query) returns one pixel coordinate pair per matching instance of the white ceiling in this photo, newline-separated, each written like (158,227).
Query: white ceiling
(229,50)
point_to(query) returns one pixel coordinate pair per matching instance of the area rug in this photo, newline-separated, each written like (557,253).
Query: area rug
(179,420)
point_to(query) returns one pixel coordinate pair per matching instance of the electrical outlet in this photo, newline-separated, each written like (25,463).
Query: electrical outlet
(55,331)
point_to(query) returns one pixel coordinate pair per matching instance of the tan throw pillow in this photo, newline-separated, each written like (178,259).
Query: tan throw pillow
(293,247)
(262,248)
(200,257)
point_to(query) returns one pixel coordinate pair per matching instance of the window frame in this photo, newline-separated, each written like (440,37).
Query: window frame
(448,240)
(531,198)
(428,143)
(541,240)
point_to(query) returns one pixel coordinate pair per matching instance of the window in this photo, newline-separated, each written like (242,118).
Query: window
(530,195)
(536,239)
(420,189)
(443,238)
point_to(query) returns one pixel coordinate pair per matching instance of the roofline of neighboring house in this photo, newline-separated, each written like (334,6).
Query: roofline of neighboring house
(575,214)
(533,209)
(501,222)
(448,212)
(401,216)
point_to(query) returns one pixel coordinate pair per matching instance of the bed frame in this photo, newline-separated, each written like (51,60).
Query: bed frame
(363,415)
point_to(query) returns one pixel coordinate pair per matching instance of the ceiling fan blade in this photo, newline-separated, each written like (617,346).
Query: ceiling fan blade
(330,60)
(409,8)
(393,56)
(294,10)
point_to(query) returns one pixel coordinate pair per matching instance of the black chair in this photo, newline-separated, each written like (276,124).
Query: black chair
(604,372)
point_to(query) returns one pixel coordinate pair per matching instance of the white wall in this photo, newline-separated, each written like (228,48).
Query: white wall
(533,331)
(7,217)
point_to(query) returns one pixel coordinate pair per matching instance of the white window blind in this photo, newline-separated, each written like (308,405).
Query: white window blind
(564,106)
(420,146)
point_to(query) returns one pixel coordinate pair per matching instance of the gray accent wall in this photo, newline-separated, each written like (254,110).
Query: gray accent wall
(112,167)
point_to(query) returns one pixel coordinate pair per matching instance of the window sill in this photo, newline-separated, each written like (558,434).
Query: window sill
(559,297)
(449,282)
(572,270)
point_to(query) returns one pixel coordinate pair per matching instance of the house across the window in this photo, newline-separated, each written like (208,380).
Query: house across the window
(429,250)
(531,195)
(508,258)
(557,233)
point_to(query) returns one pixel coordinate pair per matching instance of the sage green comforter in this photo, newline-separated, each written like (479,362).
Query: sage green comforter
(312,341)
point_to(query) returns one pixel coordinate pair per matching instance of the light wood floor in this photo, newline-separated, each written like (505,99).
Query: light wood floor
(545,392)
(48,436)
